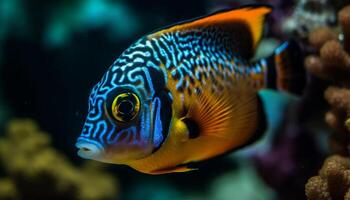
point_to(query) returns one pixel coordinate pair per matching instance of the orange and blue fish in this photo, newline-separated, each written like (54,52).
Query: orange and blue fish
(184,94)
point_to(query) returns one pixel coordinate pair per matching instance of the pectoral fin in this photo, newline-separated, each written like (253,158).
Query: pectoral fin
(232,114)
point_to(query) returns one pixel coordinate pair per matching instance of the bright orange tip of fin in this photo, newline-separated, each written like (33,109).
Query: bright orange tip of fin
(252,16)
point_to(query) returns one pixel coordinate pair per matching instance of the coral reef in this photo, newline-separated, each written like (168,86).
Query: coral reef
(8,189)
(333,64)
(37,171)
(308,15)
(333,181)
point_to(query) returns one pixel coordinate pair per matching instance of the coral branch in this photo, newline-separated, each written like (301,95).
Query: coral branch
(333,55)
(320,36)
(338,98)
(333,181)
(333,64)
(344,20)
(32,165)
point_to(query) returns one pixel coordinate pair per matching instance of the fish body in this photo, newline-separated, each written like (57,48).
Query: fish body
(183,94)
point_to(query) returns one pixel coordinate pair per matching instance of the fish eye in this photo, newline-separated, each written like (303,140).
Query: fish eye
(125,107)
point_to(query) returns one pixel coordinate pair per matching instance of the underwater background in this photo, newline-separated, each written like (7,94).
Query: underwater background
(53,52)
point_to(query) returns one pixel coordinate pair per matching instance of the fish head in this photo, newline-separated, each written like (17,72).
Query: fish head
(128,117)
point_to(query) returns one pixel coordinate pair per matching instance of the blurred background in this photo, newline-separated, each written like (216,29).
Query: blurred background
(53,52)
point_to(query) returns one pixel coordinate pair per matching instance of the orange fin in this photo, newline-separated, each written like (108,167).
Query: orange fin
(240,21)
(234,113)
(177,169)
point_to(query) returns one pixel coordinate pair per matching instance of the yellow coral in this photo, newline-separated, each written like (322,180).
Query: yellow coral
(8,190)
(347,124)
(32,164)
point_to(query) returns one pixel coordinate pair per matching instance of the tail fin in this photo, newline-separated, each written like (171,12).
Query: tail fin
(285,68)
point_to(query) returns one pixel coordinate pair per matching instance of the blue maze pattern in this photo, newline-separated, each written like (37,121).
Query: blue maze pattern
(200,55)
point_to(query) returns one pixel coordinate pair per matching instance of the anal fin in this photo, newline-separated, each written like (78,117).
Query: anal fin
(176,169)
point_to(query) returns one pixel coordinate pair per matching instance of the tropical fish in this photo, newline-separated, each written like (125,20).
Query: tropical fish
(183,94)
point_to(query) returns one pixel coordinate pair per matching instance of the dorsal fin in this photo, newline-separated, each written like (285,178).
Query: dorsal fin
(243,25)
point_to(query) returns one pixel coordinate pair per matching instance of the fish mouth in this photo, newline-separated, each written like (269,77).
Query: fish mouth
(89,149)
